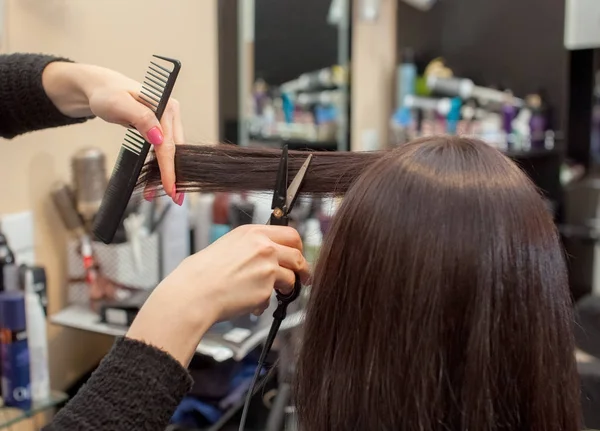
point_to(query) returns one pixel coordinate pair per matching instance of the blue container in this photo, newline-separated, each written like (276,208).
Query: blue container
(406,77)
(16,386)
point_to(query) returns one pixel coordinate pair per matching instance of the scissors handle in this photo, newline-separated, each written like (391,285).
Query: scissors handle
(284,300)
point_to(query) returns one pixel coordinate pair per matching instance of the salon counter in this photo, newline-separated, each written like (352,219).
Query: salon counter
(235,344)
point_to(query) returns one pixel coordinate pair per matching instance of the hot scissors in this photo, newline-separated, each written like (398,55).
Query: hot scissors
(284,199)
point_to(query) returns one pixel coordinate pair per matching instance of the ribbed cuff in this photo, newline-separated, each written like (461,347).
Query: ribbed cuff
(25,105)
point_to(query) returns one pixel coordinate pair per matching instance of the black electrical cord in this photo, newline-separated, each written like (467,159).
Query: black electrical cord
(278,316)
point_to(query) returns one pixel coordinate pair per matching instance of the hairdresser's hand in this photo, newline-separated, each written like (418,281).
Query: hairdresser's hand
(80,90)
(234,276)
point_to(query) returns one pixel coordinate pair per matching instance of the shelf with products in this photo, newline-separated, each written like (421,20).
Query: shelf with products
(498,118)
(440,92)
(517,147)
(310,111)
(10,416)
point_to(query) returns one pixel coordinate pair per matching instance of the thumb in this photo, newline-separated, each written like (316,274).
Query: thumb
(144,120)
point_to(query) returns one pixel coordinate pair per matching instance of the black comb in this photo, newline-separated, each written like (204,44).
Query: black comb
(156,91)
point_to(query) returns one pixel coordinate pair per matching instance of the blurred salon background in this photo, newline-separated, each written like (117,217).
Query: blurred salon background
(320,75)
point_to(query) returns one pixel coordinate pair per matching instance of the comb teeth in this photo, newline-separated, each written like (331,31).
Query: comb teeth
(159,66)
(149,98)
(134,142)
(159,70)
(156,80)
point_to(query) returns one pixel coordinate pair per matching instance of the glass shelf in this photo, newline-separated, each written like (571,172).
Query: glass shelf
(10,415)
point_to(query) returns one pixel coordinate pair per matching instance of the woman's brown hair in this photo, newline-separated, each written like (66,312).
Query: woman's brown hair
(440,299)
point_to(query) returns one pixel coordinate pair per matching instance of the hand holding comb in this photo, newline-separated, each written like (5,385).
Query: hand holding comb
(156,91)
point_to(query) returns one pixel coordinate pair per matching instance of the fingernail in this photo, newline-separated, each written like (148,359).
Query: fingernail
(149,194)
(155,136)
(177,197)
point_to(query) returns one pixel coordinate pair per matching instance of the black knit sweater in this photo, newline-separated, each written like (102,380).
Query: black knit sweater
(136,387)
(24,105)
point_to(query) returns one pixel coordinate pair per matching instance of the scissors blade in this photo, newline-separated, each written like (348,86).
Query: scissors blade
(292,191)
(294,188)
(279,195)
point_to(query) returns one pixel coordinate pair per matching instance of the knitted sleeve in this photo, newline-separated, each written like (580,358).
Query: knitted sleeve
(136,387)
(24,105)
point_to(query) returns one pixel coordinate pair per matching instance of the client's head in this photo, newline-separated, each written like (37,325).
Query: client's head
(440,299)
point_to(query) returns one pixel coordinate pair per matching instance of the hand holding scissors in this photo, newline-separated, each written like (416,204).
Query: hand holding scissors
(284,199)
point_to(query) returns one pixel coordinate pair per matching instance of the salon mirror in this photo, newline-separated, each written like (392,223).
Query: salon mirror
(283,68)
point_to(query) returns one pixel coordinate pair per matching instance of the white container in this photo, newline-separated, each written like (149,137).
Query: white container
(116,262)
(37,337)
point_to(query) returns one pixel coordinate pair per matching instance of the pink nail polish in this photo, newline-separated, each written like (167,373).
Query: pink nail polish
(174,193)
(149,194)
(155,136)
(179,198)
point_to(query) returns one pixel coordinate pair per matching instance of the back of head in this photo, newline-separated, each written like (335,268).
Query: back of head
(440,301)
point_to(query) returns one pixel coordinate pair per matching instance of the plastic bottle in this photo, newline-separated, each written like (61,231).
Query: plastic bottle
(407,76)
(37,338)
(313,239)
(33,279)
(6,258)
(453,116)
(537,123)
(16,387)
